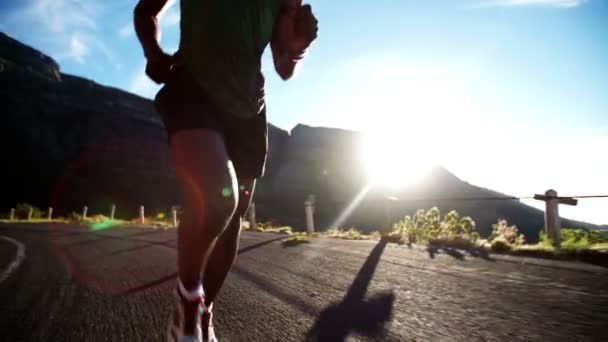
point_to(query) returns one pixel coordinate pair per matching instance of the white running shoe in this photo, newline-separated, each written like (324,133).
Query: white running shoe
(186,317)
(207,325)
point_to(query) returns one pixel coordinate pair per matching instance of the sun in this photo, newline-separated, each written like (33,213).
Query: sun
(394,161)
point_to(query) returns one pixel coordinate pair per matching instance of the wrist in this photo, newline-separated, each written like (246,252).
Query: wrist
(153,52)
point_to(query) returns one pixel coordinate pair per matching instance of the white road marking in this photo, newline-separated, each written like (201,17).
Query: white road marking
(18,258)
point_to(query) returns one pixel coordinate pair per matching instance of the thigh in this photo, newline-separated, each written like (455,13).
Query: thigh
(203,168)
(247,143)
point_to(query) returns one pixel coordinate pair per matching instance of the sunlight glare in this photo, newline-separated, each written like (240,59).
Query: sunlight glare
(395,161)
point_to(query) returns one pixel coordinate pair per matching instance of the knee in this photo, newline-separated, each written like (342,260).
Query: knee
(213,206)
(243,203)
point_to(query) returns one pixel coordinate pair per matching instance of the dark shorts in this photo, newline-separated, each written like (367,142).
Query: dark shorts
(183,105)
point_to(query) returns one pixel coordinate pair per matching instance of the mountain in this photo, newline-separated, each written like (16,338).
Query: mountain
(68,142)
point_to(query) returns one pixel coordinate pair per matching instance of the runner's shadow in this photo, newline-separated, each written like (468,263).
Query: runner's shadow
(354,313)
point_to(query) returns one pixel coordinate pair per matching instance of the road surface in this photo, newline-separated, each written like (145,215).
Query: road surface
(114,285)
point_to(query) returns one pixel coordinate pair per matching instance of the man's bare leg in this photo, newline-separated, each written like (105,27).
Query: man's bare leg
(209,185)
(224,252)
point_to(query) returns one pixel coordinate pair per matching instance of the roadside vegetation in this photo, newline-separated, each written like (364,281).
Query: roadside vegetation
(424,228)
(27,213)
(429,228)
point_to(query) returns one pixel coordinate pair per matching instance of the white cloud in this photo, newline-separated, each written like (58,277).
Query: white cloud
(58,16)
(126,31)
(520,3)
(67,28)
(78,49)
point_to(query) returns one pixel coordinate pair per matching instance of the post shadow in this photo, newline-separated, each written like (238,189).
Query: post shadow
(354,313)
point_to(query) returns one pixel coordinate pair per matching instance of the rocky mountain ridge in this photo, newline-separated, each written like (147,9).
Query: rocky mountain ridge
(69,141)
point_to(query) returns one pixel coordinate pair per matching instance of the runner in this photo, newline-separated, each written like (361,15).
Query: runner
(212,104)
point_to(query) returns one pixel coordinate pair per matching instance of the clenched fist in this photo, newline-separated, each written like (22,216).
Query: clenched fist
(158,67)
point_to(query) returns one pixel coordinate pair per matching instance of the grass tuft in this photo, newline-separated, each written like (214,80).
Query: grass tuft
(296,240)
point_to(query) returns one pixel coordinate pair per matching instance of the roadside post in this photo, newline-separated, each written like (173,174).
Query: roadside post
(174,216)
(142,218)
(552,221)
(309,209)
(251,217)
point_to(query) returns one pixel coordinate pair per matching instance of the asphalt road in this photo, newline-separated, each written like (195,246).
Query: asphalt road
(114,285)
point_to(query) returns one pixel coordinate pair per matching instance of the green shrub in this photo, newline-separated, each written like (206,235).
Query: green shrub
(570,234)
(75,217)
(574,239)
(22,210)
(500,244)
(351,234)
(503,231)
(284,230)
(428,226)
(97,219)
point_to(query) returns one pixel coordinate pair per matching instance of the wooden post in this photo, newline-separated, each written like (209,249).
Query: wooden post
(174,216)
(85,209)
(309,208)
(141,214)
(50,213)
(112,212)
(252,220)
(30,213)
(552,221)
(12,216)
(552,217)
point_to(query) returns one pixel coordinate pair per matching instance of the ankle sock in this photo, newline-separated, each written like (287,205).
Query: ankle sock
(191,295)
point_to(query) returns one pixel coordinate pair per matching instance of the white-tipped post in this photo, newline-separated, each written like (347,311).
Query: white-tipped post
(252,220)
(85,210)
(50,214)
(309,209)
(30,213)
(142,218)
(174,216)
(112,212)
(12,216)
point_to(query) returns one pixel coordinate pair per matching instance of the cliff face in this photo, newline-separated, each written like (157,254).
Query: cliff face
(70,142)
(67,142)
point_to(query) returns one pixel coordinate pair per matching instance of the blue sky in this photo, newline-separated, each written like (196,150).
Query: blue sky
(508,94)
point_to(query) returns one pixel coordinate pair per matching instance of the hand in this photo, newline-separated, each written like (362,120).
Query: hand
(158,67)
(304,30)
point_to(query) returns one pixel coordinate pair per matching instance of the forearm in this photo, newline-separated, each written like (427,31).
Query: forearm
(147,28)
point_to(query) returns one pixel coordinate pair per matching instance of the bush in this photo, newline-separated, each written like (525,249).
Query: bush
(427,226)
(97,219)
(269,229)
(22,210)
(574,235)
(74,216)
(500,244)
(574,239)
(504,232)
